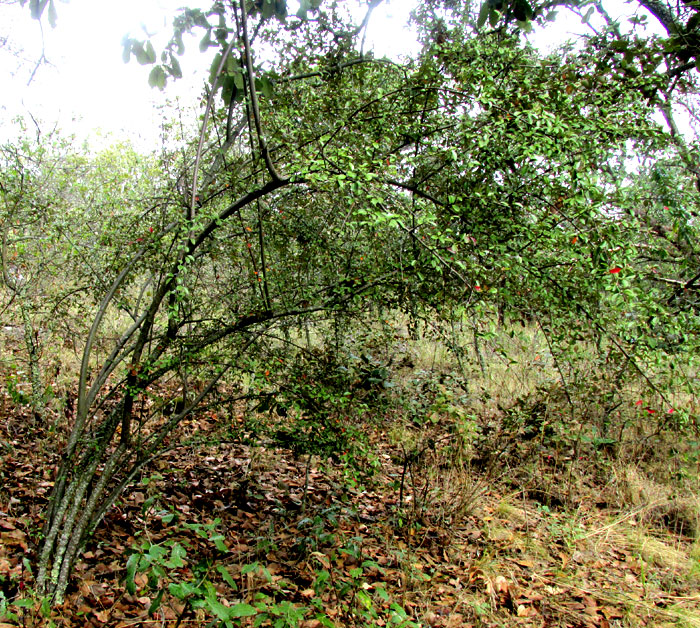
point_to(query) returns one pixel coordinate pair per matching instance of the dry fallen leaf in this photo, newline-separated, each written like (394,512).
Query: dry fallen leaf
(501,584)
(526,611)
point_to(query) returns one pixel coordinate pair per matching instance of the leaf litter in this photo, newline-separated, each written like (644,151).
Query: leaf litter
(316,547)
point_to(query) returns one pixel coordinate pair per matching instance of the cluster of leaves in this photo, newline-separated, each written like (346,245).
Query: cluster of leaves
(319,398)
(165,572)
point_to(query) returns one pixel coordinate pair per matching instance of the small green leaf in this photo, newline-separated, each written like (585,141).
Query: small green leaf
(232,65)
(198,18)
(364,599)
(206,41)
(228,90)
(126,54)
(157,78)
(238,80)
(213,70)
(155,604)
(177,553)
(225,574)
(150,52)
(145,55)
(266,87)
(281,10)
(585,19)
(177,590)
(131,565)
(175,68)
(326,621)
(218,540)
(248,568)
(180,44)
(181,590)
(483,14)
(52,14)
(242,610)
(221,611)
(36,7)
(268,9)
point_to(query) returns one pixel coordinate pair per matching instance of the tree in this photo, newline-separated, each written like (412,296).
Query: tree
(323,177)
(64,217)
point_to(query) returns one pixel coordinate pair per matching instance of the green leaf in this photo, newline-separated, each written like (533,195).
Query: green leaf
(52,14)
(226,575)
(181,590)
(268,9)
(177,553)
(175,68)
(150,52)
(238,80)
(177,590)
(206,41)
(126,54)
(242,610)
(483,14)
(266,87)
(364,599)
(214,68)
(218,540)
(157,78)
(326,621)
(156,551)
(36,8)
(155,604)
(281,10)
(131,565)
(228,90)
(198,18)
(221,611)
(232,65)
(304,7)
(145,54)
(585,18)
(180,44)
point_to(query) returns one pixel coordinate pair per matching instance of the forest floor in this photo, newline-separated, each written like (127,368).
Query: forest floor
(498,525)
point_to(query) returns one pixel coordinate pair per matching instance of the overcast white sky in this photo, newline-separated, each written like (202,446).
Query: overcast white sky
(88,89)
